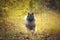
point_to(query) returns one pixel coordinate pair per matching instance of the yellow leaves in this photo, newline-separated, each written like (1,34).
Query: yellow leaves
(1,20)
(5,8)
(44,20)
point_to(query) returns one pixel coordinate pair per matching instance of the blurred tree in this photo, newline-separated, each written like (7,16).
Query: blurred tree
(53,4)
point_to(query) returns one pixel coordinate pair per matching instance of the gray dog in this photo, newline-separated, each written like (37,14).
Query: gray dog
(30,21)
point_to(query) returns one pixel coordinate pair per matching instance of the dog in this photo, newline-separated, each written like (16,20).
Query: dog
(30,21)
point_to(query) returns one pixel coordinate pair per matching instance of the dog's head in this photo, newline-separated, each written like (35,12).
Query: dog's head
(30,17)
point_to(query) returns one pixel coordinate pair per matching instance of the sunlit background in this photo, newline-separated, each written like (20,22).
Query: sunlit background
(12,13)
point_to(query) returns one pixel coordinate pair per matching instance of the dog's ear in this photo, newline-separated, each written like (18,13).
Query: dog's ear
(28,13)
(32,13)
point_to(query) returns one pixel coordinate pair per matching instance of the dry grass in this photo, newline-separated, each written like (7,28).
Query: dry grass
(47,25)
(12,26)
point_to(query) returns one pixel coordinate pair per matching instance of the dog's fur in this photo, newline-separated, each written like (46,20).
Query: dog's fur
(30,21)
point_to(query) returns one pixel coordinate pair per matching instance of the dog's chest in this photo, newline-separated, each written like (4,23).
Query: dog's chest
(30,23)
